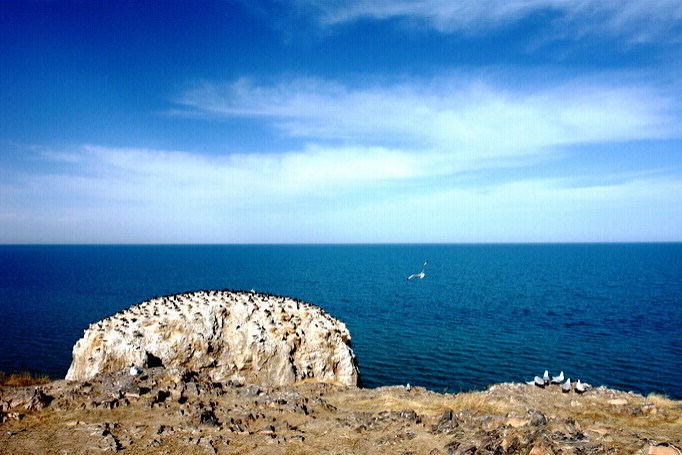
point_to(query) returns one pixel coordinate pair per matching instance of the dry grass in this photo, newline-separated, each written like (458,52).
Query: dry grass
(23,379)
(649,416)
(428,404)
(661,401)
(468,401)
(314,381)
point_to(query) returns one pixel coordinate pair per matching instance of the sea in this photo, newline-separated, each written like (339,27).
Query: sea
(607,314)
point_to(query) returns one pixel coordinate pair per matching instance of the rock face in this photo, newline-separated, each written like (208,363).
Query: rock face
(237,337)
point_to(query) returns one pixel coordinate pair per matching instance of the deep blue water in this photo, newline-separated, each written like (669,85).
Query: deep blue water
(608,314)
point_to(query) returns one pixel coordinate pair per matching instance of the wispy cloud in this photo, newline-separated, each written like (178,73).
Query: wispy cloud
(319,194)
(525,210)
(133,176)
(635,20)
(370,161)
(471,118)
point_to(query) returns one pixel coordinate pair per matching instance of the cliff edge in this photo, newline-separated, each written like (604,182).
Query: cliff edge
(231,336)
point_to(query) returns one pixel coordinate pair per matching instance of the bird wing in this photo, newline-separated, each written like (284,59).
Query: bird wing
(420,274)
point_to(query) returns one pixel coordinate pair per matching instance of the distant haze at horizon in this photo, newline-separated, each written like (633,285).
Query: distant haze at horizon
(355,122)
(635,242)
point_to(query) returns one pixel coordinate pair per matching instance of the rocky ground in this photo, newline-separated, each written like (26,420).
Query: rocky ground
(173,410)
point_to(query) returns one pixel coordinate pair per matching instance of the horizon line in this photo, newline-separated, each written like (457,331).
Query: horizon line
(603,242)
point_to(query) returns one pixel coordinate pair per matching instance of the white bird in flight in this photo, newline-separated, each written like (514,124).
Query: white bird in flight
(419,275)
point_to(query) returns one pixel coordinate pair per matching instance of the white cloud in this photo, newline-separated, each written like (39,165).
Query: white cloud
(640,21)
(320,195)
(534,210)
(470,118)
(383,163)
(142,195)
(129,178)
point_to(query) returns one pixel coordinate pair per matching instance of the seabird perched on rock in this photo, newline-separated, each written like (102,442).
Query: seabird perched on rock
(545,377)
(558,379)
(538,381)
(581,387)
(134,371)
(408,387)
(419,275)
(566,386)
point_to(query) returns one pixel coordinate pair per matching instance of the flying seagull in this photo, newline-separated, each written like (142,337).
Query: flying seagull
(418,275)
(558,379)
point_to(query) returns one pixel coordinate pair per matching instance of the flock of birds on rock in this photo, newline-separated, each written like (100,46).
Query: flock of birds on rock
(545,380)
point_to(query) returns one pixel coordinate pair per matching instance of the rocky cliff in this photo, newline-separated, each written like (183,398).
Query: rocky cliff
(233,337)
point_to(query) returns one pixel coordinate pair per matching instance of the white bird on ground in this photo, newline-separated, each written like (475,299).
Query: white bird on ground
(408,387)
(537,381)
(418,275)
(558,379)
(581,387)
(566,386)
(134,371)
(545,377)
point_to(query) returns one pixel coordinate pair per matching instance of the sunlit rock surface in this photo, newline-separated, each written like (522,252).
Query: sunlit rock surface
(232,336)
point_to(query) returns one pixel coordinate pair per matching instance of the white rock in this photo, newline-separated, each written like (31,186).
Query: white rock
(243,337)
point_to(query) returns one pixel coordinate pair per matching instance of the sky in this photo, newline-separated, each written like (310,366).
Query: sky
(309,121)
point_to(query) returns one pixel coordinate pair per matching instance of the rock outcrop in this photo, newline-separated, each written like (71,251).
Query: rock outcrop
(233,337)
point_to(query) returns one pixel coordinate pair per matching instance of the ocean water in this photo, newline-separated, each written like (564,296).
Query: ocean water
(608,314)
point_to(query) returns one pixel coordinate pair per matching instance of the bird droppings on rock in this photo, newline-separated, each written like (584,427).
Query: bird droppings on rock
(233,336)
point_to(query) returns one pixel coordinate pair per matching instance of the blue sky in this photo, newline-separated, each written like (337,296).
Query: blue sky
(310,121)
